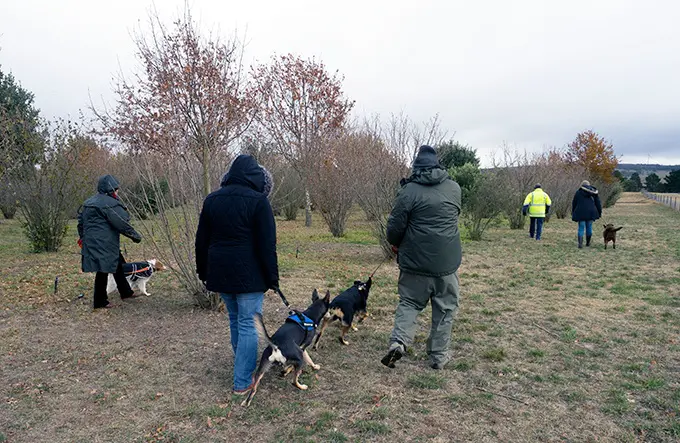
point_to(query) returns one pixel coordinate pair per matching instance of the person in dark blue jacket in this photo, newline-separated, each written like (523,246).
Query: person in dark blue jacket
(236,255)
(585,209)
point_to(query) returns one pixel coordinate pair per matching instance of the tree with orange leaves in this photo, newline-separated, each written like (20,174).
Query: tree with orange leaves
(595,154)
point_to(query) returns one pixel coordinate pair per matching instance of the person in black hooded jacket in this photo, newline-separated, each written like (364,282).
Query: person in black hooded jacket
(236,255)
(585,209)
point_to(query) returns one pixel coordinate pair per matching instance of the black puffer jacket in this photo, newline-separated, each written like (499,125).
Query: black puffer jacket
(101,220)
(236,237)
(586,204)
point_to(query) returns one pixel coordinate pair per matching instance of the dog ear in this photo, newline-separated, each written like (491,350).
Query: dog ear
(315,295)
(327,298)
(605,226)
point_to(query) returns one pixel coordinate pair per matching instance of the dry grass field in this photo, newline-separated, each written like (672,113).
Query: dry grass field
(551,343)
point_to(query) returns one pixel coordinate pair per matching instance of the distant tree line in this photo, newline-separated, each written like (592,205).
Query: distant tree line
(652,183)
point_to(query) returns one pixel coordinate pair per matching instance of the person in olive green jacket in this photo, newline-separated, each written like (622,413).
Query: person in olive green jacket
(423,229)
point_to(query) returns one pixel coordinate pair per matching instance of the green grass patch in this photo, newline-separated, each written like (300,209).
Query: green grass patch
(336,437)
(617,403)
(494,354)
(371,427)
(536,353)
(426,381)
(462,365)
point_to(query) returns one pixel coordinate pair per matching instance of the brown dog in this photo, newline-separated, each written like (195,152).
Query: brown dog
(609,234)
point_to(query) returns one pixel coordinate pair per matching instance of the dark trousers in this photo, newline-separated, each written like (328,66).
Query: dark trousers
(101,280)
(536,227)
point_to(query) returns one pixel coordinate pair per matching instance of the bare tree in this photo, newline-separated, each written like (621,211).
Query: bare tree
(560,179)
(386,151)
(517,171)
(300,106)
(288,194)
(171,232)
(333,180)
(187,106)
(403,136)
(190,96)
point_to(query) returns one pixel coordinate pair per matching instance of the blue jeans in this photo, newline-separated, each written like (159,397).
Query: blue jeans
(585,226)
(536,226)
(244,340)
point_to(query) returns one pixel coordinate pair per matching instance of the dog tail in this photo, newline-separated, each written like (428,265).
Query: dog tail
(262,330)
(618,229)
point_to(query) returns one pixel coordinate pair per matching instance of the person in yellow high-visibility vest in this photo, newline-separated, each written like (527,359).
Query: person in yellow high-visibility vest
(536,206)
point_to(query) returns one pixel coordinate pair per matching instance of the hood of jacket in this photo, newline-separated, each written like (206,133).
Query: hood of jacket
(428,177)
(107,184)
(245,171)
(589,189)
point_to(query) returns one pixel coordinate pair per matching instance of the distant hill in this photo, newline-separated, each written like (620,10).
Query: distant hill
(644,169)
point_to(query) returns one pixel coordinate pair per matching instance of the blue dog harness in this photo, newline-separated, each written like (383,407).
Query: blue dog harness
(306,323)
(301,319)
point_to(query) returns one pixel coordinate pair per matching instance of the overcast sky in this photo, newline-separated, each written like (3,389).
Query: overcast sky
(529,73)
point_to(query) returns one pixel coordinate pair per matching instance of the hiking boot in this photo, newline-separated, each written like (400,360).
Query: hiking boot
(393,355)
(438,365)
(580,242)
(588,238)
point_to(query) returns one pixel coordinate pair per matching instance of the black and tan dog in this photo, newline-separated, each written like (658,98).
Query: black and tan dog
(288,345)
(609,234)
(351,302)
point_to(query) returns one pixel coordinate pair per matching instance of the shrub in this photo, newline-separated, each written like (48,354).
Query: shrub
(46,191)
(8,201)
(609,193)
(482,198)
(145,196)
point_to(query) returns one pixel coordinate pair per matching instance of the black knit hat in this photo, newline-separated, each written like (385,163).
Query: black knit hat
(426,158)
(538,185)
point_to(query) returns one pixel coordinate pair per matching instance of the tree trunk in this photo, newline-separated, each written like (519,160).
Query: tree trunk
(308,209)
(206,172)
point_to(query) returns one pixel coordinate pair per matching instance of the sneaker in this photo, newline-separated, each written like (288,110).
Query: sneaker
(394,354)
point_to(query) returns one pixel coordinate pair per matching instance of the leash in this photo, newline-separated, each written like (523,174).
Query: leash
(283,297)
(380,265)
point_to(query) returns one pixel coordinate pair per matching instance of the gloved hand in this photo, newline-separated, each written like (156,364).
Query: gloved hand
(274,286)
(137,239)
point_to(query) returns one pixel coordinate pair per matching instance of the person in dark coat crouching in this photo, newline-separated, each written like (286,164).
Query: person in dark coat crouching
(101,220)
(236,256)
(585,209)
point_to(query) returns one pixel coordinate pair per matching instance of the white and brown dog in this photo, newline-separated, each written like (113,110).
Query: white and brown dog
(138,275)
